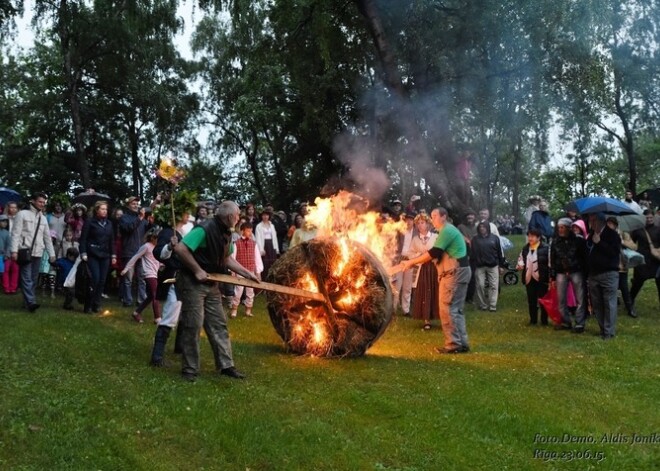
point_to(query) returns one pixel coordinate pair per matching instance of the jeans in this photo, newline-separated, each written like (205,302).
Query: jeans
(29,275)
(602,289)
(452,290)
(577,280)
(487,283)
(126,284)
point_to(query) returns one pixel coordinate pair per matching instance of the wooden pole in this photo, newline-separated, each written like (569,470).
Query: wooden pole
(234,280)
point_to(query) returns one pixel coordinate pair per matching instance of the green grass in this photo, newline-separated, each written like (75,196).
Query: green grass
(77,394)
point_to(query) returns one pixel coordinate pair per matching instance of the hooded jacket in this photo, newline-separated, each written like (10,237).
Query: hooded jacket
(486,251)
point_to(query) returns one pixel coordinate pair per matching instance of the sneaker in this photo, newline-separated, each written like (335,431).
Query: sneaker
(233,314)
(248,314)
(33,307)
(105,296)
(578,329)
(492,309)
(137,318)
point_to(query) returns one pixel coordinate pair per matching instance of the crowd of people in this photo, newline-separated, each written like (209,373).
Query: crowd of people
(439,267)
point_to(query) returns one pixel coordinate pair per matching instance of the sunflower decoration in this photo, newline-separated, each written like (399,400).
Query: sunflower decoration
(172,176)
(169,172)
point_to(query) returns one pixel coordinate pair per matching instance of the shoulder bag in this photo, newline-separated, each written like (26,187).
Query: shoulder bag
(25,255)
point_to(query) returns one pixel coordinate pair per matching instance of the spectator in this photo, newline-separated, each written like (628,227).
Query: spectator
(247,254)
(281,229)
(469,230)
(266,237)
(97,248)
(30,231)
(304,233)
(425,280)
(487,256)
(541,220)
(402,282)
(75,219)
(484,216)
(5,246)
(631,203)
(626,241)
(604,247)
(132,228)
(534,263)
(57,222)
(150,266)
(11,210)
(568,257)
(533,206)
(63,266)
(644,238)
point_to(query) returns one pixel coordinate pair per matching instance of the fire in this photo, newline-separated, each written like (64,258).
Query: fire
(345,216)
(340,272)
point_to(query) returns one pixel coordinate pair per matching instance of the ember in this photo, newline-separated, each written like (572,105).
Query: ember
(359,298)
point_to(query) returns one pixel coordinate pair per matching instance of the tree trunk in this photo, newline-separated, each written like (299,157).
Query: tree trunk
(72,78)
(442,176)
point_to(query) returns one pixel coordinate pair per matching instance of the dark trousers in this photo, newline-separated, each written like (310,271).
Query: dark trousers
(98,269)
(625,292)
(535,290)
(637,283)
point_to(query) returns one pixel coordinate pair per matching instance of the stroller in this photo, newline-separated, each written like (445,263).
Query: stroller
(510,276)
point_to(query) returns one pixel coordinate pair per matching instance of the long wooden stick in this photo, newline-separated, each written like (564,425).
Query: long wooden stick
(234,280)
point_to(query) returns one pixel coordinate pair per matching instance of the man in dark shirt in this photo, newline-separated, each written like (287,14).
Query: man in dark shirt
(644,237)
(603,246)
(206,249)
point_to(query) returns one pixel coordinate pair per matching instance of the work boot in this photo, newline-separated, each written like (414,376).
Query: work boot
(160,341)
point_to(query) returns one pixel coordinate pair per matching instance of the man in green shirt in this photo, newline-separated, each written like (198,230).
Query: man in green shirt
(449,254)
(206,249)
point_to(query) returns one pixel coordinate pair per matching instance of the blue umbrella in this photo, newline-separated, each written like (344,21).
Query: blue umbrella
(599,204)
(7,195)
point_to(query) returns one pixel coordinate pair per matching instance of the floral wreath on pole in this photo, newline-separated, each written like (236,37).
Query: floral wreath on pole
(172,176)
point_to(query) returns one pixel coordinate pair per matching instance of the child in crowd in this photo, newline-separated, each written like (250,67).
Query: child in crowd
(67,243)
(63,267)
(248,255)
(4,242)
(150,267)
(10,270)
(46,270)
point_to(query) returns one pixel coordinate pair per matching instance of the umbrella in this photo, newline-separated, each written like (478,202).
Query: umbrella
(631,222)
(90,197)
(7,195)
(599,204)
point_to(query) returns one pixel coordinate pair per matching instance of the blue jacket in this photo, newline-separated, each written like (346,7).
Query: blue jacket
(541,220)
(132,230)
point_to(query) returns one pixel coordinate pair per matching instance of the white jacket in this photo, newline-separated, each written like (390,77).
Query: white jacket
(23,229)
(260,237)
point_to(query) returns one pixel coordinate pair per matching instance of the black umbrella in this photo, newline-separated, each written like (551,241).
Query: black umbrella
(7,195)
(90,197)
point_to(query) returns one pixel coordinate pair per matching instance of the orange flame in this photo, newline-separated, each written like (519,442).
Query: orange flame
(337,216)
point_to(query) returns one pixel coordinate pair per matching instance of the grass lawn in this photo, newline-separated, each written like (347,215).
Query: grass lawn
(77,394)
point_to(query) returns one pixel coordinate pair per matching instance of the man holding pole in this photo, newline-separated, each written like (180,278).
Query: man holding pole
(203,251)
(449,254)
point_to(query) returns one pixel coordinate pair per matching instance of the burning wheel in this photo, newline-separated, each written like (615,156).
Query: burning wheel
(359,302)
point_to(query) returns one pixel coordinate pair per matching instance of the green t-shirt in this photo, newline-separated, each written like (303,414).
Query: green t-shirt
(451,240)
(196,239)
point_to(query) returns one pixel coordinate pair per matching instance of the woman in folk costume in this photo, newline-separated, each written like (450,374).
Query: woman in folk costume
(425,280)
(266,237)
